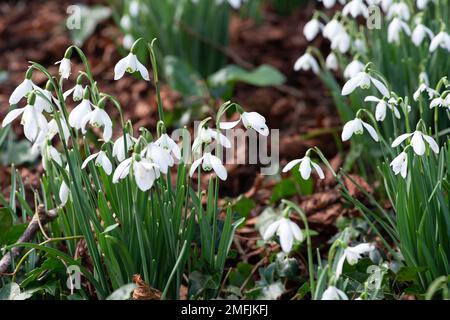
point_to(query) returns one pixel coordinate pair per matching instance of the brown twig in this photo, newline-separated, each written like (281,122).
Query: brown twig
(41,218)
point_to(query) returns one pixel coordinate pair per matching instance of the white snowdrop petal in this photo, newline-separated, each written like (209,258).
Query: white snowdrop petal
(400,139)
(418,144)
(291,164)
(318,170)
(12,115)
(285,234)
(432,143)
(371,131)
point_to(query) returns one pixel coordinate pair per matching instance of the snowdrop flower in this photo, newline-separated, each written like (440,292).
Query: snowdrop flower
(307,62)
(419,34)
(78,113)
(32,119)
(422,88)
(64,68)
(125,22)
(421,4)
(385,5)
(98,118)
(144,171)
(417,142)
(159,156)
(76,92)
(332,29)
(101,160)
(363,81)
(356,126)
(206,135)
(64,192)
(381,107)
(341,42)
(305,168)
(332,62)
(48,133)
(134,8)
(209,162)
(43,100)
(22,89)
(333,293)
(394,29)
(119,146)
(312,28)
(169,145)
(250,120)
(128,41)
(442,40)
(328,3)
(286,230)
(360,46)
(352,255)
(130,64)
(399,10)
(400,164)
(236,4)
(353,68)
(50,153)
(439,102)
(356,8)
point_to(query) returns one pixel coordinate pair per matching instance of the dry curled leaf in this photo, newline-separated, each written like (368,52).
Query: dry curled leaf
(143,291)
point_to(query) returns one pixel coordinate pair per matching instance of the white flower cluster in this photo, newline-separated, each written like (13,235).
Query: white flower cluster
(147,160)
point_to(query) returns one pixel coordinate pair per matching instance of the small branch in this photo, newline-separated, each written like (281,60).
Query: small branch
(41,218)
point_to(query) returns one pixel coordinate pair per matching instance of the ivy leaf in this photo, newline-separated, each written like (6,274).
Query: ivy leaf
(262,76)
